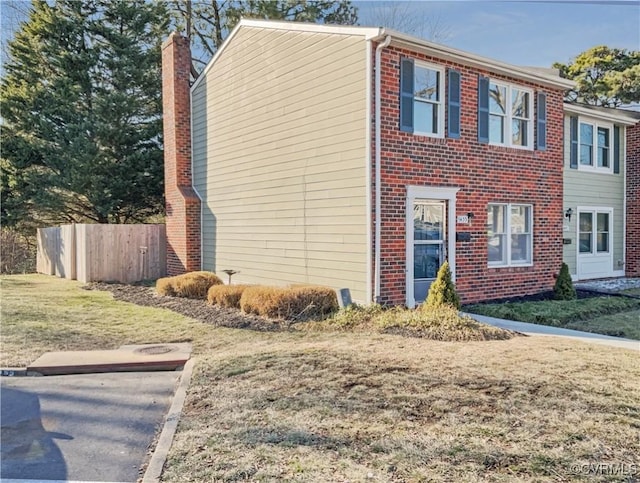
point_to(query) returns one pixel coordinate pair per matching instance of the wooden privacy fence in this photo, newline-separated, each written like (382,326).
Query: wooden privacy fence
(103,253)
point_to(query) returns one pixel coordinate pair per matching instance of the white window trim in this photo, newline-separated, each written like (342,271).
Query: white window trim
(596,124)
(437,193)
(441,95)
(508,117)
(508,234)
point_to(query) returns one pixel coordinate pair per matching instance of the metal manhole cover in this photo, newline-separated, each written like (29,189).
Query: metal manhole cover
(155,350)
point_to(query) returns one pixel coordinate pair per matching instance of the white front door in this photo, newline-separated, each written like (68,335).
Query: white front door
(430,238)
(595,247)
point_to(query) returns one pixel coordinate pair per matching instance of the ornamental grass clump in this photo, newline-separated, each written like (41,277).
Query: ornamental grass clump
(302,302)
(442,291)
(564,289)
(193,285)
(226,295)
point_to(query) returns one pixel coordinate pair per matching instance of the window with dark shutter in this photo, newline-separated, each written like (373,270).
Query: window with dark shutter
(453,122)
(406,95)
(573,136)
(483,109)
(541,138)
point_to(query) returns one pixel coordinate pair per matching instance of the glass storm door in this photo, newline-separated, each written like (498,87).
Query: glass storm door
(429,244)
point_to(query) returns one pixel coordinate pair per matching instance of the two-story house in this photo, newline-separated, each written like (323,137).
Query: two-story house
(363,158)
(595,195)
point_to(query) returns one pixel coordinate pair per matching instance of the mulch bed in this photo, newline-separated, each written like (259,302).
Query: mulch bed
(196,309)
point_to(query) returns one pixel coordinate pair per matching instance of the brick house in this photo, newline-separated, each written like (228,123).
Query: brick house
(632,182)
(363,158)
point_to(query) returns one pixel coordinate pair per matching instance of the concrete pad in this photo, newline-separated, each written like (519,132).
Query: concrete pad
(87,427)
(148,357)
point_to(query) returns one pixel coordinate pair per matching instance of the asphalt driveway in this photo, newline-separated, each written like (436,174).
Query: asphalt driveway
(86,427)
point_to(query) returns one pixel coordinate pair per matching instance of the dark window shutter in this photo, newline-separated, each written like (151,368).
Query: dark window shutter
(573,136)
(542,122)
(453,122)
(616,149)
(406,95)
(483,109)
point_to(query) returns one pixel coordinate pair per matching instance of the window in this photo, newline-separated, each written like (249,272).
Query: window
(510,119)
(594,146)
(510,235)
(422,98)
(594,237)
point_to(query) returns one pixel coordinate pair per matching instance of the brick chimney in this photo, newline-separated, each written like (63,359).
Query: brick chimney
(632,267)
(182,202)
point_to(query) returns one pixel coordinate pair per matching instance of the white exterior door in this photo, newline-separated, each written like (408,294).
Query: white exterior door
(430,238)
(595,244)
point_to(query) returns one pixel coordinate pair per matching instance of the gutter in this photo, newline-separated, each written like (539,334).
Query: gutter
(378,89)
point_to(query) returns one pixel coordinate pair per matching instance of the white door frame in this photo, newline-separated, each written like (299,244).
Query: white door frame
(435,193)
(595,210)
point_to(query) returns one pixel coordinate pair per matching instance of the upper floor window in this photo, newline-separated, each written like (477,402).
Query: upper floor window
(510,109)
(591,144)
(506,115)
(423,98)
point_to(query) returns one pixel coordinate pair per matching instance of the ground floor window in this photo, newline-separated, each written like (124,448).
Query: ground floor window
(509,234)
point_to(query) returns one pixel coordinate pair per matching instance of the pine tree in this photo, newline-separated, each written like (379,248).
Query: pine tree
(564,289)
(442,291)
(82,113)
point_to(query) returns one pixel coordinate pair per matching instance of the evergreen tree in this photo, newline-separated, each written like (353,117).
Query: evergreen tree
(442,291)
(564,289)
(604,76)
(82,113)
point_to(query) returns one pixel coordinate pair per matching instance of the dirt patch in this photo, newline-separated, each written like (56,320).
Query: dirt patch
(196,309)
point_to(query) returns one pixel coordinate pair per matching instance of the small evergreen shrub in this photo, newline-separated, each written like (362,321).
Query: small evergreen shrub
(442,291)
(301,302)
(193,285)
(226,295)
(564,289)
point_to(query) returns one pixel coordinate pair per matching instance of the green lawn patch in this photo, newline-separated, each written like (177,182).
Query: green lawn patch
(618,316)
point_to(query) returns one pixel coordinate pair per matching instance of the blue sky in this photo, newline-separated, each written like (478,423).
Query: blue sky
(535,33)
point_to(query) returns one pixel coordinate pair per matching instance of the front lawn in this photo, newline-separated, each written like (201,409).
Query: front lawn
(337,405)
(616,316)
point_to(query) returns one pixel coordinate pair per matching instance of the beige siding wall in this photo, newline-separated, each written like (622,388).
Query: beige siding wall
(587,189)
(279,144)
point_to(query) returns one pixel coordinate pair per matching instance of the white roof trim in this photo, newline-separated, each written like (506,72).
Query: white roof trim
(414,43)
(614,116)
(467,58)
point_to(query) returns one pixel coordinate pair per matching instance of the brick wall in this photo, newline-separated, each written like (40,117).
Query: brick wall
(633,202)
(182,203)
(484,174)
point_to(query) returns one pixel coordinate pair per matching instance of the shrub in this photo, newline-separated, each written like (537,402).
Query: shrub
(302,302)
(193,285)
(18,252)
(442,291)
(226,295)
(564,289)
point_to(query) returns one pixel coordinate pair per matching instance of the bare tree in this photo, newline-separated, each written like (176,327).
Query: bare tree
(413,18)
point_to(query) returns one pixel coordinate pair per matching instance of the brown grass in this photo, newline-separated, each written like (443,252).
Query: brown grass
(226,295)
(300,302)
(338,406)
(192,285)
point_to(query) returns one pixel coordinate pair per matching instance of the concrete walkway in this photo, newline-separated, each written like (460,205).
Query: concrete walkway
(545,330)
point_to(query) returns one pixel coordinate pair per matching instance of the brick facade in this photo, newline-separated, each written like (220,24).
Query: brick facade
(632,267)
(484,174)
(182,203)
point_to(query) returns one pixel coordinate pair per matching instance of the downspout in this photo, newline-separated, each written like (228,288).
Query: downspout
(377,257)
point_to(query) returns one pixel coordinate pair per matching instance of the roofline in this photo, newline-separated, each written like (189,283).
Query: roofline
(467,58)
(614,116)
(415,43)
